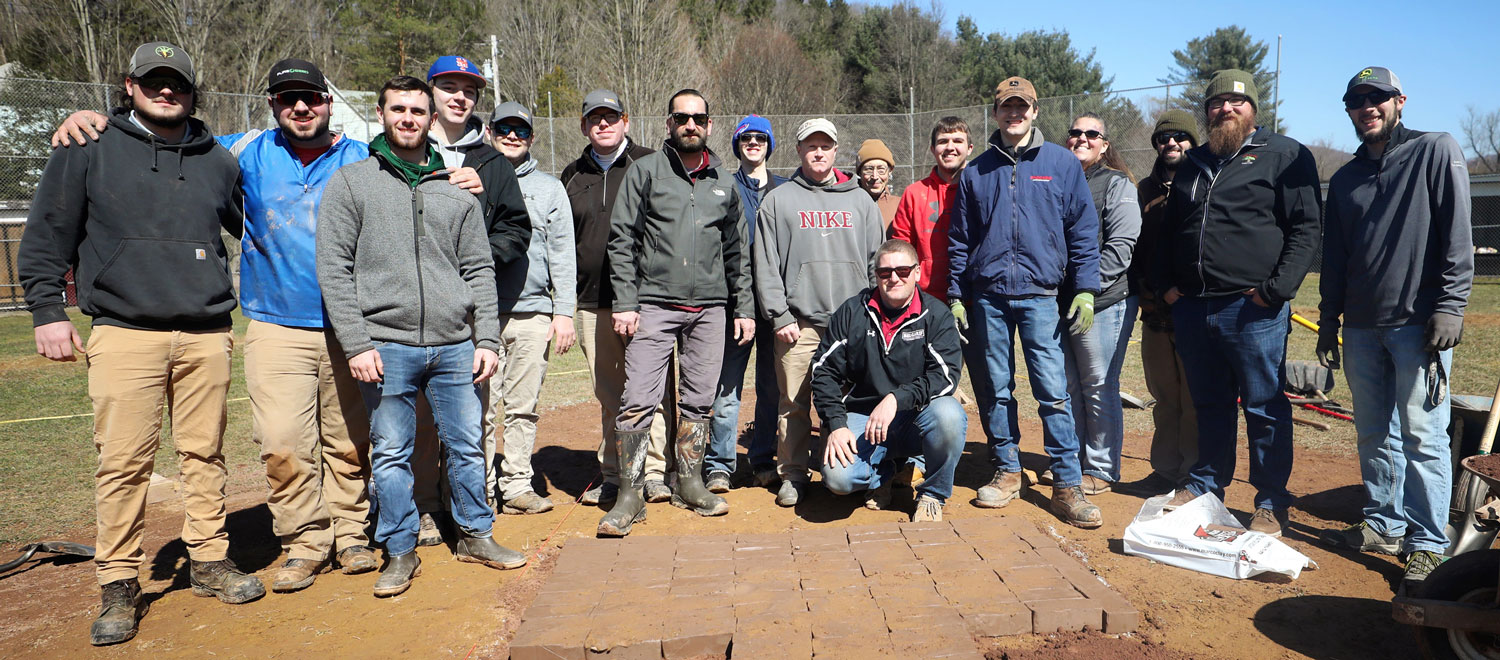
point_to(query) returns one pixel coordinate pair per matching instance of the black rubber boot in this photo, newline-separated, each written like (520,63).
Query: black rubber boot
(120,613)
(398,574)
(630,505)
(690,492)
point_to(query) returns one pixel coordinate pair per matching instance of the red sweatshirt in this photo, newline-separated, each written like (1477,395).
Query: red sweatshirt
(922,220)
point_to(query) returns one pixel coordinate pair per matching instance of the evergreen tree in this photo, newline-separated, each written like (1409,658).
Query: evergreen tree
(1227,48)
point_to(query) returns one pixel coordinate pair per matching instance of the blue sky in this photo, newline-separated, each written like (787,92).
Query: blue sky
(1439,48)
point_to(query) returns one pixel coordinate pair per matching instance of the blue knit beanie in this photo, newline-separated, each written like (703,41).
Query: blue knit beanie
(754,124)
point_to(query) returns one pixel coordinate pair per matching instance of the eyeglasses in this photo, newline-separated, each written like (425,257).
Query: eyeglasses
(902,272)
(1354,101)
(158,83)
(502,130)
(1091,134)
(874,169)
(305,96)
(1233,102)
(681,118)
(604,117)
(1162,138)
(754,138)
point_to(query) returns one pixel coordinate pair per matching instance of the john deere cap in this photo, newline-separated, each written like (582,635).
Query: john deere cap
(1378,77)
(162,55)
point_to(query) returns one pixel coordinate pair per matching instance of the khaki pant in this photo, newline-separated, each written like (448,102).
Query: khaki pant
(605,352)
(1174,444)
(132,375)
(314,437)
(514,392)
(794,418)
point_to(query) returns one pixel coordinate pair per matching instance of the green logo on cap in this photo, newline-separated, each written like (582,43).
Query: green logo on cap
(165,51)
(1367,73)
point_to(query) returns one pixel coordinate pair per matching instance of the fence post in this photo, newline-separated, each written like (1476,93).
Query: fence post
(551,137)
(911,134)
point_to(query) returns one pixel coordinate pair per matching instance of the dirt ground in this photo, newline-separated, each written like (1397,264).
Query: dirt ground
(1339,610)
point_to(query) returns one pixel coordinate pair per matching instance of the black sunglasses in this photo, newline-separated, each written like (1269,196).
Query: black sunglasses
(501,130)
(901,271)
(1092,134)
(158,83)
(754,138)
(306,96)
(1354,101)
(681,118)
(1162,138)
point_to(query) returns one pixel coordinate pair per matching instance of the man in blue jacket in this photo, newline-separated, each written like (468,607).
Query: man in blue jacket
(1023,223)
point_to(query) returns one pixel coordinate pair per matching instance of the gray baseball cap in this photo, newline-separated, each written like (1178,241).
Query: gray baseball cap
(1378,77)
(159,55)
(511,110)
(602,98)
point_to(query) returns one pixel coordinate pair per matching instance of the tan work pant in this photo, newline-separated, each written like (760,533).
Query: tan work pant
(514,393)
(794,415)
(314,437)
(605,351)
(132,375)
(1174,444)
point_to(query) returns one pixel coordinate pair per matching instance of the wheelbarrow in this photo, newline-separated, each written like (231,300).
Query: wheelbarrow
(55,547)
(1456,611)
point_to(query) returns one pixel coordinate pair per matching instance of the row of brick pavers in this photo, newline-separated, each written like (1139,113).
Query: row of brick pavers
(909,590)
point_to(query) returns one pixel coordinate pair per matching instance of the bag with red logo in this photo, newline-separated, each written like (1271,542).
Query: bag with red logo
(1204,536)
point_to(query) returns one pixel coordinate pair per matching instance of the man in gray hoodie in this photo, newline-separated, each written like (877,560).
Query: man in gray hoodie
(817,237)
(404,265)
(537,298)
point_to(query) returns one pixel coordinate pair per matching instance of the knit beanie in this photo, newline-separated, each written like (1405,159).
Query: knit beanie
(1172,121)
(1233,81)
(754,124)
(875,150)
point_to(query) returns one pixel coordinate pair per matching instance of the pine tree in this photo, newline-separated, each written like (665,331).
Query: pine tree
(1227,48)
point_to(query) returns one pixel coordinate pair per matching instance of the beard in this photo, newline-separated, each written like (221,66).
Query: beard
(399,141)
(1382,134)
(1228,134)
(165,118)
(688,144)
(316,130)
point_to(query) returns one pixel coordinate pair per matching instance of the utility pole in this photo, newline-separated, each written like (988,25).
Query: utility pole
(495,68)
(1276,99)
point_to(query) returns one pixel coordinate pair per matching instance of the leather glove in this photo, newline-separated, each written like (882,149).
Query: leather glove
(1081,312)
(1444,331)
(1328,346)
(960,315)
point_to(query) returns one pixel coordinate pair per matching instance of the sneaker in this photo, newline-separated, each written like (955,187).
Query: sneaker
(428,532)
(603,493)
(1074,508)
(357,559)
(657,491)
(526,503)
(1179,497)
(880,498)
(297,574)
(223,580)
(929,509)
(1004,487)
(1267,521)
(718,482)
(1093,485)
(120,613)
(766,476)
(1418,565)
(791,493)
(1360,537)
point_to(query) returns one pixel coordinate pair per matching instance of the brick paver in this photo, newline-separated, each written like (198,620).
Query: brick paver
(913,590)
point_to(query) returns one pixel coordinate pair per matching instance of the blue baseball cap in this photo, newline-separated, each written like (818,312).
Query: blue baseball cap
(753,124)
(453,64)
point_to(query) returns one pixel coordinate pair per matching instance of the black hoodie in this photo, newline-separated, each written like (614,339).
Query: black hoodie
(137,220)
(505,216)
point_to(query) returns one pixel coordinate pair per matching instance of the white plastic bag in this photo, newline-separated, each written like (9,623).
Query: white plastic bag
(1203,536)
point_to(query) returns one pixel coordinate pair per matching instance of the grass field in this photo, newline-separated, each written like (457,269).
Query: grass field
(47,465)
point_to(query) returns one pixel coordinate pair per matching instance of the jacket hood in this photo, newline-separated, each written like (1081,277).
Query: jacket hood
(473,136)
(841,182)
(526,167)
(199,138)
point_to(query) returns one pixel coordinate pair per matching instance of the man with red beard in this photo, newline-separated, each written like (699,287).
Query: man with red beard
(1241,230)
(1398,265)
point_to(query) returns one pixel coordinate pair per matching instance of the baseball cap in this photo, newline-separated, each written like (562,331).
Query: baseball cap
(1378,77)
(292,71)
(510,110)
(1015,86)
(453,64)
(601,98)
(162,55)
(818,125)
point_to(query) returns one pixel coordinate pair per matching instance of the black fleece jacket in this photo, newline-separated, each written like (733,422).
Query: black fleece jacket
(504,208)
(137,220)
(591,191)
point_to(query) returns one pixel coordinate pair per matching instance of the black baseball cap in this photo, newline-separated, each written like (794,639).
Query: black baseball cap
(292,71)
(162,55)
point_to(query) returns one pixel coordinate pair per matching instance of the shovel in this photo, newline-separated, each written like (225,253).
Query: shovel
(56,547)
(1471,494)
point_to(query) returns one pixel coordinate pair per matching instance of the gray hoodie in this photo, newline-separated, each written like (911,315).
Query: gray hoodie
(453,154)
(813,248)
(546,279)
(404,265)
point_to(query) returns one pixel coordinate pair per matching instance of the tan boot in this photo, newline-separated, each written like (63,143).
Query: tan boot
(1005,487)
(1074,508)
(297,574)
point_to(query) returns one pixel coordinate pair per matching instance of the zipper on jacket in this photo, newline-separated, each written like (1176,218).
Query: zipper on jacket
(1208,197)
(885,344)
(418,231)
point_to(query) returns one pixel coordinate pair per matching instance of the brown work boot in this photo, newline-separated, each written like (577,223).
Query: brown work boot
(119,614)
(1074,508)
(297,574)
(1180,497)
(1268,522)
(357,559)
(1003,488)
(1093,485)
(224,581)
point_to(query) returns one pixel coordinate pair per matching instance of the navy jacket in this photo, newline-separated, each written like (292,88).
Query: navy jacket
(750,199)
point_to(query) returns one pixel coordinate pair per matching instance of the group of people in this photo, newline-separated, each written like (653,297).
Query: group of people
(402,296)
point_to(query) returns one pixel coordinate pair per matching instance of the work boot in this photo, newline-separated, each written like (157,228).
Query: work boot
(297,574)
(1360,537)
(929,509)
(1268,521)
(1004,487)
(485,550)
(691,494)
(526,503)
(1418,565)
(601,494)
(1179,498)
(879,499)
(1074,508)
(630,505)
(428,533)
(657,491)
(119,614)
(398,574)
(791,492)
(909,476)
(1093,485)
(357,559)
(718,482)
(765,476)
(222,580)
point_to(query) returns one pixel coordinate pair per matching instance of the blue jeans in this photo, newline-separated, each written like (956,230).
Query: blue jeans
(1232,349)
(445,375)
(1404,455)
(936,433)
(1094,361)
(993,323)
(726,413)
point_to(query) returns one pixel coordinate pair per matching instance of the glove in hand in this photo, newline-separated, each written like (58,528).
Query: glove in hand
(1328,346)
(1081,312)
(1444,331)
(960,315)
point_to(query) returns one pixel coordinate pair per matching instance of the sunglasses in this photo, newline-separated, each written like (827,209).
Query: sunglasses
(1354,101)
(603,117)
(902,272)
(158,83)
(1091,134)
(1162,138)
(502,130)
(753,138)
(681,118)
(305,96)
